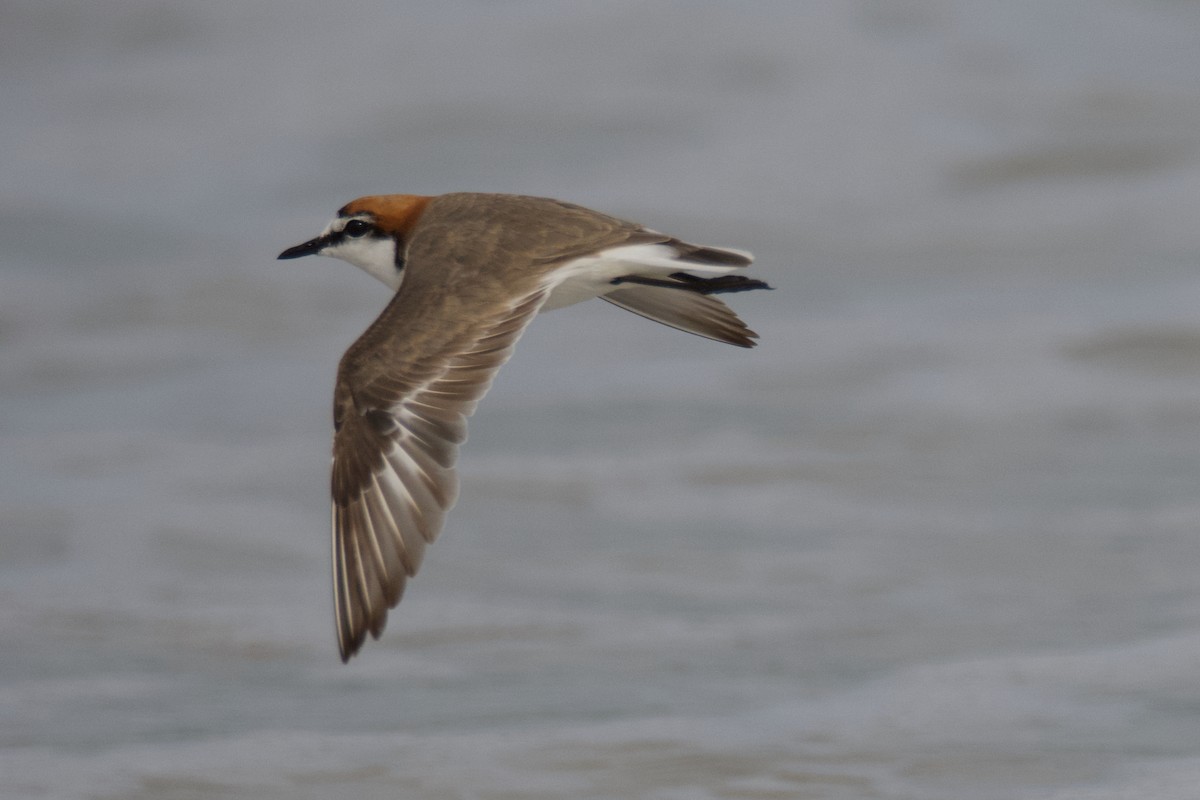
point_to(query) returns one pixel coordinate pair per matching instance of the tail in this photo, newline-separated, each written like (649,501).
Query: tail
(681,298)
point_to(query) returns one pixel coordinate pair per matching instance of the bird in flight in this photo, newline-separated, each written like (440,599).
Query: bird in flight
(469,272)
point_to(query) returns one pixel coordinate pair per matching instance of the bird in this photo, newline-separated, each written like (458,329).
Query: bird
(469,271)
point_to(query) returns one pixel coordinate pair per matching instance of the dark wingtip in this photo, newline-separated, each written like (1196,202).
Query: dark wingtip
(349,649)
(745,338)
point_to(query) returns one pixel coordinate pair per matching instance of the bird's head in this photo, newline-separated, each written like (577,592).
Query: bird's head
(371,233)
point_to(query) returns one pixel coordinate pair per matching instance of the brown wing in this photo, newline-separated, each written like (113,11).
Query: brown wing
(399,420)
(688,311)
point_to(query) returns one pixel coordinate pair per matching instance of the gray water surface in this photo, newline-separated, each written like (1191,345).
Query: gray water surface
(935,538)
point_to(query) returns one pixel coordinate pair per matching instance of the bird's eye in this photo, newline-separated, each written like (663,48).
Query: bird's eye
(357,228)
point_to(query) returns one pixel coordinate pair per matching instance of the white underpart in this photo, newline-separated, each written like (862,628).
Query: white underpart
(592,276)
(375,256)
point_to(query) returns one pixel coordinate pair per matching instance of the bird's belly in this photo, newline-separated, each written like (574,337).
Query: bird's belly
(577,289)
(582,279)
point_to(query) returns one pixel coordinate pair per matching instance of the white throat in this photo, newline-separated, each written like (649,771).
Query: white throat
(374,255)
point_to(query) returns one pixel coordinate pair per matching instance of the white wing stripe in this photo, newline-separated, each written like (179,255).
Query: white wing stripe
(403,508)
(382,514)
(341,584)
(387,562)
(415,482)
(366,586)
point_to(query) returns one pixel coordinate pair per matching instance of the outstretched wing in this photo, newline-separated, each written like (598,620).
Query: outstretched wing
(399,420)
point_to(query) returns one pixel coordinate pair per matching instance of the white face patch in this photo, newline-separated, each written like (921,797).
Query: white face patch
(369,251)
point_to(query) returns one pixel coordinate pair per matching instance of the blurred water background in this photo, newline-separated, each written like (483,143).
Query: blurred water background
(935,538)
